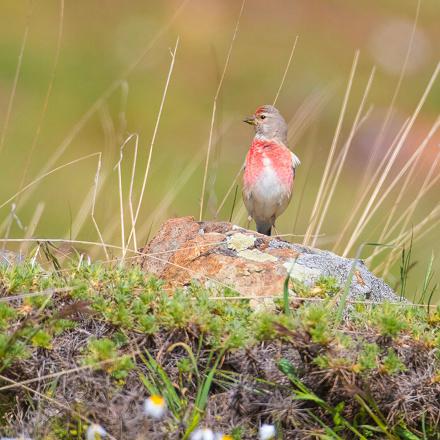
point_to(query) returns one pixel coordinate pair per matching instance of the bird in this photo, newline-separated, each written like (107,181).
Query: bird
(269,169)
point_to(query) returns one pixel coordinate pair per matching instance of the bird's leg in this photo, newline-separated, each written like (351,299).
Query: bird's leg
(249,219)
(273,225)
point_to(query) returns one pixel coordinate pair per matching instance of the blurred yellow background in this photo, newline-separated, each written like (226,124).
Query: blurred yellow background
(101,39)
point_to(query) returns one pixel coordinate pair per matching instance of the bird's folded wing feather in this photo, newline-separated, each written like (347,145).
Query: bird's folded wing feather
(295,160)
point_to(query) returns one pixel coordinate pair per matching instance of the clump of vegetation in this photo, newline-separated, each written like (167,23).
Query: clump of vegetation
(90,343)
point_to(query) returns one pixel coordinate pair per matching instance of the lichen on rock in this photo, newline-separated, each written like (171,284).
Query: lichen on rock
(250,263)
(239,242)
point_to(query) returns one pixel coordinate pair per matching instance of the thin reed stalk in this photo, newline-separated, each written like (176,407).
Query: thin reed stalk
(427,185)
(153,139)
(369,208)
(406,216)
(95,192)
(134,136)
(286,70)
(130,193)
(418,231)
(76,129)
(345,149)
(323,185)
(83,212)
(308,112)
(17,74)
(30,230)
(214,109)
(39,179)
(390,110)
(228,192)
(385,234)
(48,94)
(367,189)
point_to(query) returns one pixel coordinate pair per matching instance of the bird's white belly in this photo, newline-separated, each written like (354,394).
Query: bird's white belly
(269,197)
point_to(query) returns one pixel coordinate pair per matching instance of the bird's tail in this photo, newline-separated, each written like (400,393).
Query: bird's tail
(264,228)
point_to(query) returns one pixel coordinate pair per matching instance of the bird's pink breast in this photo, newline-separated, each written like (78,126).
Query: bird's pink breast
(263,154)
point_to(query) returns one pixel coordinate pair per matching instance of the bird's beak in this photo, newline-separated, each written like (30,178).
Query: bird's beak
(250,120)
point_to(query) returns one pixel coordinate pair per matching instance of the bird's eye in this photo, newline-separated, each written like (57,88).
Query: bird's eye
(262,117)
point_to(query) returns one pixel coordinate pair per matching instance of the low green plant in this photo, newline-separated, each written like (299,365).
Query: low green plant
(103,354)
(368,358)
(389,320)
(202,332)
(392,364)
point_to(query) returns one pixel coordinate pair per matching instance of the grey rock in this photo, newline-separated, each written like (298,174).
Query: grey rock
(220,253)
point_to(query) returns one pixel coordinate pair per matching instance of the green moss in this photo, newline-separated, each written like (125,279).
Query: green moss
(368,358)
(389,320)
(42,339)
(103,354)
(132,305)
(392,364)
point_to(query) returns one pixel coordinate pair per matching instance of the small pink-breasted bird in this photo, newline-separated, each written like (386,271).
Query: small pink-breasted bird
(269,169)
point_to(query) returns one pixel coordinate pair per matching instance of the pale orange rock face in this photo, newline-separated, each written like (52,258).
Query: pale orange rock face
(209,252)
(219,254)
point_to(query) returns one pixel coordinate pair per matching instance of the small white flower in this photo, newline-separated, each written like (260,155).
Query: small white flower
(220,436)
(202,434)
(155,406)
(95,432)
(267,432)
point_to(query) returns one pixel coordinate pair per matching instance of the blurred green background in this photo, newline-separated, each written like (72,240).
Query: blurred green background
(101,39)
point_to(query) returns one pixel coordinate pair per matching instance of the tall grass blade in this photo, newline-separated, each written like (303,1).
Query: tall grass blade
(214,109)
(322,187)
(405,267)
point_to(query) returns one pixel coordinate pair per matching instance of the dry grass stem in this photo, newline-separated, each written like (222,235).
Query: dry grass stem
(130,193)
(369,209)
(95,192)
(83,212)
(427,185)
(367,189)
(286,70)
(134,136)
(415,233)
(52,400)
(308,112)
(406,216)
(323,185)
(76,129)
(241,214)
(66,372)
(153,139)
(47,292)
(48,94)
(17,74)
(179,184)
(214,109)
(41,177)
(382,130)
(408,213)
(228,192)
(345,149)
(30,230)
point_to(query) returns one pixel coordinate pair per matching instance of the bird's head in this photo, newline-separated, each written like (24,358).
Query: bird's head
(268,123)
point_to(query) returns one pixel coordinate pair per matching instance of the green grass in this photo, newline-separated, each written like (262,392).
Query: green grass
(128,336)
